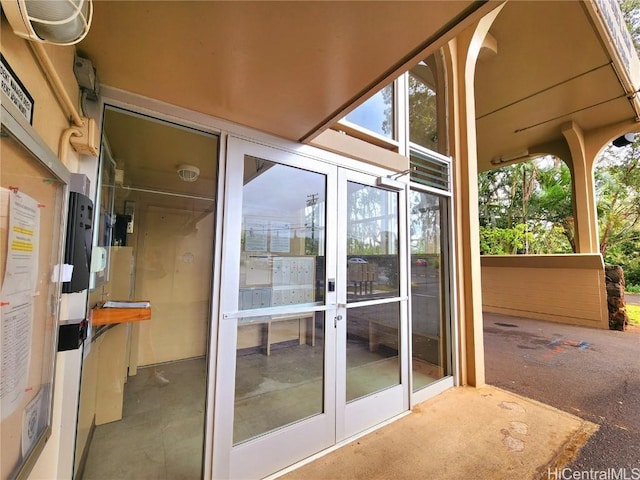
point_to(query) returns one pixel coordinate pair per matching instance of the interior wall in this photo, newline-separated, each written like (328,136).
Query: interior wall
(559,288)
(87,405)
(173,265)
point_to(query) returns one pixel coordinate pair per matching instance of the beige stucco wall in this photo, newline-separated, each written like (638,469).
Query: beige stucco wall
(342,144)
(49,122)
(559,288)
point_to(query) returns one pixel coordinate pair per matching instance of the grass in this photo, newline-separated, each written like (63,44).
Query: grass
(634,314)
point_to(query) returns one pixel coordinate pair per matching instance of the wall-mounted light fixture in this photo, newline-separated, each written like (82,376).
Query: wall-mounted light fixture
(624,140)
(510,157)
(61,22)
(188,173)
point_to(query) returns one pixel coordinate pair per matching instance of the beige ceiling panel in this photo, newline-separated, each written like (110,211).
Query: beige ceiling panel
(281,67)
(563,100)
(540,44)
(494,142)
(550,68)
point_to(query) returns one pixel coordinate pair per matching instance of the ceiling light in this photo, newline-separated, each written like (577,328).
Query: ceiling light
(188,173)
(61,22)
(510,157)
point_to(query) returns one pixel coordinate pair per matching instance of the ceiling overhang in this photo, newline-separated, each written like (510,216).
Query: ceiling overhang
(292,69)
(551,65)
(286,68)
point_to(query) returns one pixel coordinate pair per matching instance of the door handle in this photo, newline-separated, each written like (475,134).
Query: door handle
(335,320)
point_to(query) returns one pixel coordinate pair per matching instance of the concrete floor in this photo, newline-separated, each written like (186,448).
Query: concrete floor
(590,373)
(161,433)
(463,433)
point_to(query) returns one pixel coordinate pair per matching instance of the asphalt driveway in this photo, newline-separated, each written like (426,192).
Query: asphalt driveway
(593,374)
(632,299)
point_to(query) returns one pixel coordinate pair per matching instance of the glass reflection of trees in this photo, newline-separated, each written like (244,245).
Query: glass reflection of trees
(372,221)
(425,223)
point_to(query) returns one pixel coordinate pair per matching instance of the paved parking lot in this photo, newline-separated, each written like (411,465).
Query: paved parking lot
(632,299)
(593,374)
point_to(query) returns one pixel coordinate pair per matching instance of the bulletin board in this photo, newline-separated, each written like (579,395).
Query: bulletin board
(33,203)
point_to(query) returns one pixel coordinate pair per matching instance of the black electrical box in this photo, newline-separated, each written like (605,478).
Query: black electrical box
(79,240)
(120,230)
(71,335)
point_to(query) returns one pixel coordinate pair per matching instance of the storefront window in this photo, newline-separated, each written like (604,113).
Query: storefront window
(427,105)
(429,320)
(376,114)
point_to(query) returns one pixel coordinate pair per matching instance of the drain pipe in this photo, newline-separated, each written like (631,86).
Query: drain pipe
(80,126)
(56,83)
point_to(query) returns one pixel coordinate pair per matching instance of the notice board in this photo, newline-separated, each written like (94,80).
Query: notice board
(33,192)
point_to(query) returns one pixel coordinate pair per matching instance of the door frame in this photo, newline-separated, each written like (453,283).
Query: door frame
(363,413)
(339,421)
(227,458)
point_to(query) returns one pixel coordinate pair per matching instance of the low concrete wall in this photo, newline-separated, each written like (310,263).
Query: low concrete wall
(560,288)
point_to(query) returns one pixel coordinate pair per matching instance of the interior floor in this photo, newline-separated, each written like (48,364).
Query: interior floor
(161,432)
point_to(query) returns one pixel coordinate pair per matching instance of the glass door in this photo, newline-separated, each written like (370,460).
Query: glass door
(313,327)
(371,332)
(275,402)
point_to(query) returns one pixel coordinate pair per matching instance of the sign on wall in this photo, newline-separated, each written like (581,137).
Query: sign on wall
(15,90)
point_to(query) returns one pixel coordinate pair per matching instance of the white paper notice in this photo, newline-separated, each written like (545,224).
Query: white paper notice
(16,317)
(255,235)
(16,296)
(21,273)
(280,237)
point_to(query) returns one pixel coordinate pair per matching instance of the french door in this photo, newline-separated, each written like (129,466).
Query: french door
(312,329)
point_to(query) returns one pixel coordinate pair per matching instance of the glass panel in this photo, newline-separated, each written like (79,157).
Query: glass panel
(373,363)
(372,243)
(144,383)
(283,236)
(429,336)
(376,114)
(280,359)
(279,373)
(31,216)
(427,108)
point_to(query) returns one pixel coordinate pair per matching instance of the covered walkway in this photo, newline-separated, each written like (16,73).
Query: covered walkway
(587,379)
(518,439)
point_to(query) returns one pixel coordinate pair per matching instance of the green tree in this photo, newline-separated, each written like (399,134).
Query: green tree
(553,203)
(631,13)
(617,180)
(526,208)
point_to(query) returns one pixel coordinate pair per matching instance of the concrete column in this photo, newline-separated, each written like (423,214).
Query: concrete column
(464,51)
(584,198)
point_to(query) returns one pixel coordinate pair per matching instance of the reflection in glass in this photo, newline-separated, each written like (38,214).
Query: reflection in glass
(32,200)
(280,381)
(431,358)
(372,272)
(280,358)
(283,235)
(376,114)
(143,390)
(426,104)
(372,349)
(372,243)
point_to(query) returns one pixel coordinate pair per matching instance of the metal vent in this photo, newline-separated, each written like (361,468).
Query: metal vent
(430,172)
